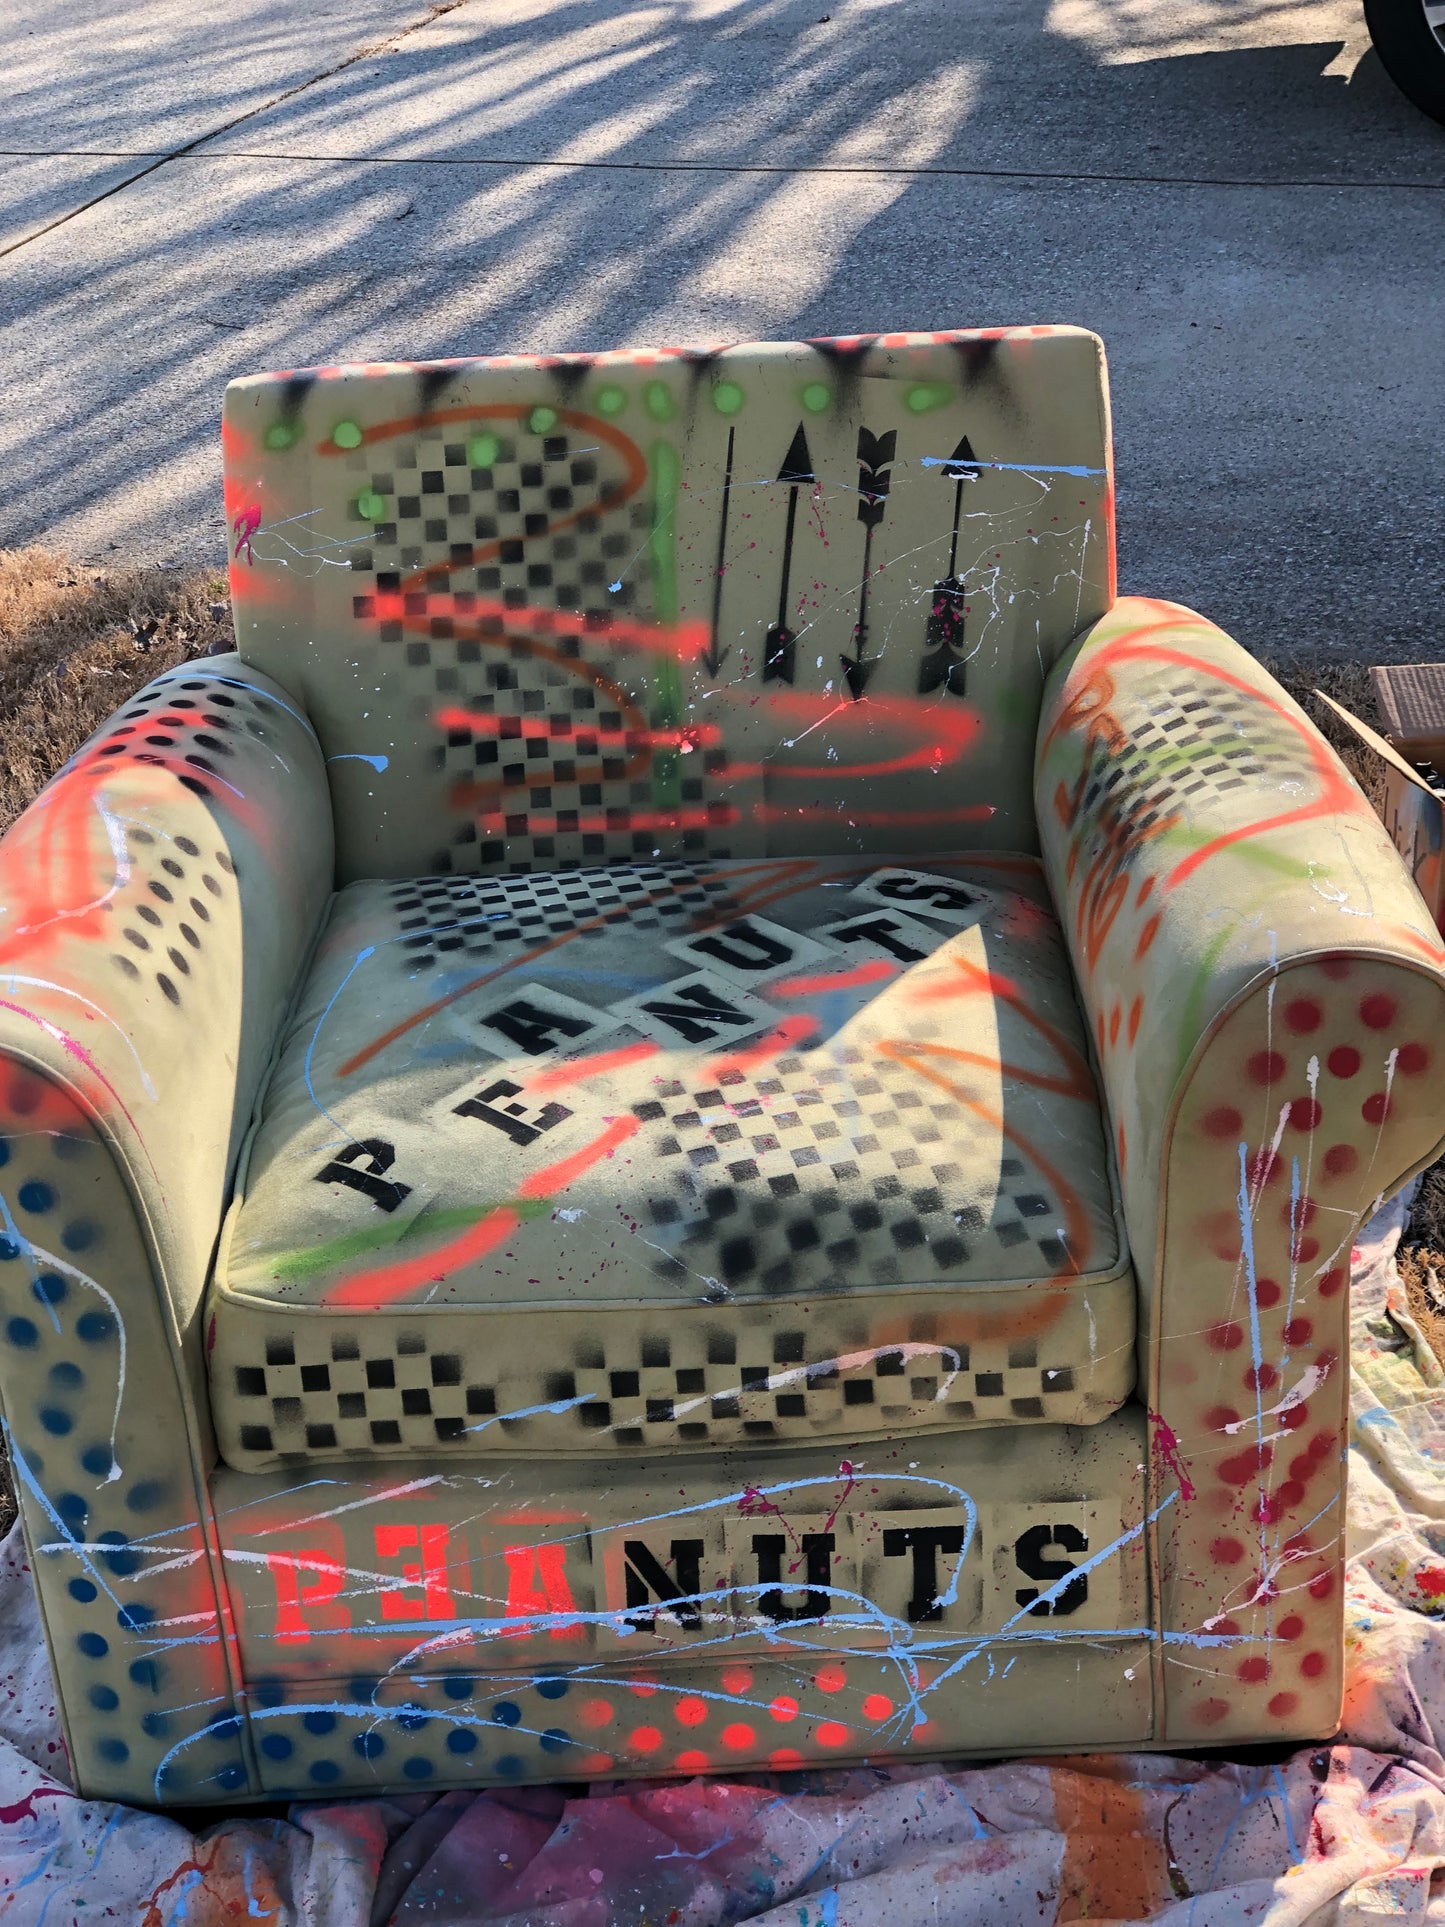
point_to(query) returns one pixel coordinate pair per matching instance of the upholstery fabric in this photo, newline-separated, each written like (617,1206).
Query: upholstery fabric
(512,594)
(675,1154)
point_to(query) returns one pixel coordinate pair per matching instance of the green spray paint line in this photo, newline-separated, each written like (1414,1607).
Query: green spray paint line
(667,704)
(363,1244)
(1192,1021)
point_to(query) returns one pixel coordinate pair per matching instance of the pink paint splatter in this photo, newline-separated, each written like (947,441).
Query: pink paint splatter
(1165,1445)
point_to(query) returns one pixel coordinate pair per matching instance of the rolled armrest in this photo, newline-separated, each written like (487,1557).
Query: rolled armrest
(1266,994)
(157,902)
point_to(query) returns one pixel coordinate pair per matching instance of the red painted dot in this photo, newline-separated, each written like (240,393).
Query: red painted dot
(1322,1585)
(644,1739)
(1322,1445)
(831,1677)
(1226,1628)
(1225,1338)
(1302,1467)
(595,1713)
(1219,1230)
(737,1679)
(1340,1160)
(1298,1544)
(1343,1060)
(692,1762)
(1290,1494)
(1377,1011)
(784,1759)
(1302,1015)
(1294,1416)
(1299,1331)
(1411,1059)
(1283,1704)
(690,1710)
(1305,1113)
(1290,1627)
(1266,1292)
(1226,1552)
(1218,1417)
(1331,1282)
(830,1733)
(1224,1121)
(1265,1067)
(1376,1108)
(738,1737)
(1211,1712)
(784,1708)
(1312,1665)
(1253,1669)
(643,1689)
(1334,967)
(1299,1212)
(877,1706)
(1243,1466)
(1259,1378)
(1304,1251)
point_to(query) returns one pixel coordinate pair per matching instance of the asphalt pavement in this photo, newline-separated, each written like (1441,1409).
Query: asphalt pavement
(1231,193)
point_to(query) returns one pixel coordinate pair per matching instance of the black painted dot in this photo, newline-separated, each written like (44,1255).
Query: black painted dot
(211,884)
(185,843)
(190,936)
(135,937)
(181,963)
(160,890)
(225,863)
(168,987)
(200,909)
(125,964)
(147,915)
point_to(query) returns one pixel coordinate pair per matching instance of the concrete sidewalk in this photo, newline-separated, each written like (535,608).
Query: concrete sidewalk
(1230,191)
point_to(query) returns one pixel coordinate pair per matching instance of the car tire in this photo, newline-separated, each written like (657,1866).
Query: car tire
(1409,36)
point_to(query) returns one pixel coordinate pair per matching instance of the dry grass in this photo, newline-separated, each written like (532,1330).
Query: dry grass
(76,643)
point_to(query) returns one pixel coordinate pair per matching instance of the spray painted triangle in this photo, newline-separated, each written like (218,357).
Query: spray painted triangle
(797,463)
(963,465)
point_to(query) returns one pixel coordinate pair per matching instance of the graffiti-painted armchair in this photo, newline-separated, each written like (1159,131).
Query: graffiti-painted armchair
(704,1112)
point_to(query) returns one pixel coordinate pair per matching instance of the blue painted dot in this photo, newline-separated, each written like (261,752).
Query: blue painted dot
(49,1288)
(145,1495)
(146,1673)
(36,1195)
(458,1689)
(78,1235)
(55,1420)
(111,1749)
(362,1689)
(95,1326)
(369,1745)
(21,1333)
(324,1772)
(268,1692)
(93,1645)
(66,1376)
(119,1556)
(461,1739)
(74,1512)
(4,1150)
(226,1729)
(156,1725)
(81,1589)
(417,1769)
(276,1746)
(97,1460)
(552,1689)
(412,1721)
(10,1246)
(554,1740)
(131,1618)
(104,1698)
(232,1776)
(505,1714)
(510,1767)
(320,1722)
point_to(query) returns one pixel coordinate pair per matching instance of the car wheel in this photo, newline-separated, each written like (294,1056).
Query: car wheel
(1409,36)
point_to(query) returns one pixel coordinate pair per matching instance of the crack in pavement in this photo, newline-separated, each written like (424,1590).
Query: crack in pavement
(187,149)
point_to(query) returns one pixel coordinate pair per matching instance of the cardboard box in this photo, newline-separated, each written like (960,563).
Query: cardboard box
(1413,810)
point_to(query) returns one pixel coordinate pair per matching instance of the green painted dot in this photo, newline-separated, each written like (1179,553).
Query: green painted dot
(282,434)
(657,400)
(727,397)
(816,397)
(542,421)
(346,435)
(483,450)
(611,400)
(370,506)
(924,395)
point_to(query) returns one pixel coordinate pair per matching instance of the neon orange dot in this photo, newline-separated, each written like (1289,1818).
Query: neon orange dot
(596,1762)
(643,1689)
(784,1759)
(877,1706)
(784,1708)
(831,1677)
(738,1737)
(691,1763)
(691,1711)
(644,1739)
(595,1712)
(830,1733)
(737,1679)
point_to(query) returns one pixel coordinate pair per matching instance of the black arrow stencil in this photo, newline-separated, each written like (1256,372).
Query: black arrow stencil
(715,655)
(780,644)
(875,457)
(942,664)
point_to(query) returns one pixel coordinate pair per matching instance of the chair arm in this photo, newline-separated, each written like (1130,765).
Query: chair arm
(1266,992)
(157,902)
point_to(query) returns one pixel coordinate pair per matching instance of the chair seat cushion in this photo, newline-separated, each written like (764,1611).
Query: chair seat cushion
(674,1154)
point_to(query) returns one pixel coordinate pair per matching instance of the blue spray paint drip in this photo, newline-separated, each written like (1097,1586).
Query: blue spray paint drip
(378,763)
(1015,468)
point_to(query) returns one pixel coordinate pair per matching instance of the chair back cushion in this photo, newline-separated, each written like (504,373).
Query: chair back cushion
(780,598)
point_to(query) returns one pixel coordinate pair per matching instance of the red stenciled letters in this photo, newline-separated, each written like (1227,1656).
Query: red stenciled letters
(430,1572)
(537,1585)
(292,1593)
